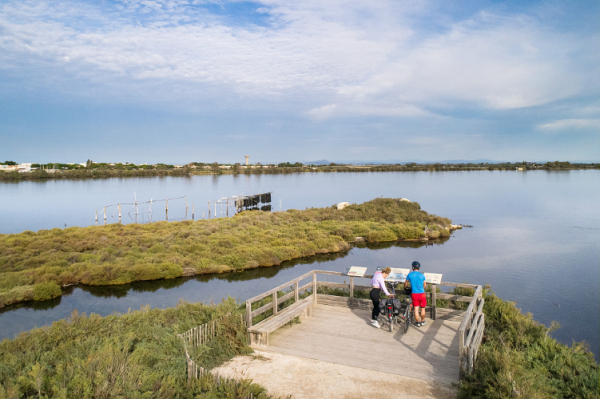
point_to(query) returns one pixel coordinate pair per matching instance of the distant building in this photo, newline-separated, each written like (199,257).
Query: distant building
(24,167)
(8,168)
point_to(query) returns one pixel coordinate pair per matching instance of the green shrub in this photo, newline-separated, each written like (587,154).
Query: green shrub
(381,235)
(46,290)
(518,357)
(16,294)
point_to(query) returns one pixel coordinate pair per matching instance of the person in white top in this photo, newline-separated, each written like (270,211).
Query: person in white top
(378,284)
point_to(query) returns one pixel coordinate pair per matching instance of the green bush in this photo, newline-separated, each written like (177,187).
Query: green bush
(46,290)
(519,358)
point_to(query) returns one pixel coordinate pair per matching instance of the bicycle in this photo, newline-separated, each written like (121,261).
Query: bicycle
(407,316)
(390,309)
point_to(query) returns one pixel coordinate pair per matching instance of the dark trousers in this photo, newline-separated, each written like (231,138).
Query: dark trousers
(374,294)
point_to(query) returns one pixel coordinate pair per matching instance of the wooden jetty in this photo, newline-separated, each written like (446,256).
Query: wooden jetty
(337,329)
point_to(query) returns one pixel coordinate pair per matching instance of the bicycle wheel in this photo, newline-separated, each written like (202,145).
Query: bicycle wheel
(406,318)
(391,319)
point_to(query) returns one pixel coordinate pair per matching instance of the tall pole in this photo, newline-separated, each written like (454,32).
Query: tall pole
(119,213)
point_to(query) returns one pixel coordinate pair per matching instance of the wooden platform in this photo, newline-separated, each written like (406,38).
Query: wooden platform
(345,336)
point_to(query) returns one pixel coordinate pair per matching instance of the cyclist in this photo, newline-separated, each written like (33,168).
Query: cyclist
(419,300)
(378,284)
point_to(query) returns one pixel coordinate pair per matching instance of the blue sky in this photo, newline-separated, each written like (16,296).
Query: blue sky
(189,80)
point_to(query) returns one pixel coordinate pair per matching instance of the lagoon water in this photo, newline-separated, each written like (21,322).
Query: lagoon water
(535,237)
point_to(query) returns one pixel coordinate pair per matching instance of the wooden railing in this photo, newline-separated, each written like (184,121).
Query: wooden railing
(274,304)
(470,331)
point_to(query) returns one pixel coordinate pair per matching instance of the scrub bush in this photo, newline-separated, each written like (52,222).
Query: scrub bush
(519,358)
(45,291)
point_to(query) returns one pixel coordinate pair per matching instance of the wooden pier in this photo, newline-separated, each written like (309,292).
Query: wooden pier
(337,329)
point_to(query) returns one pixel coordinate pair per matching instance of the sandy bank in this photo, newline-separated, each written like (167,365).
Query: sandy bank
(302,378)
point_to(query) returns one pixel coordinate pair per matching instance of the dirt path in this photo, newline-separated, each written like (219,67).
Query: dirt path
(302,378)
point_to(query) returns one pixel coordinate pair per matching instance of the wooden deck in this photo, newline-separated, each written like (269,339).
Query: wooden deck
(345,336)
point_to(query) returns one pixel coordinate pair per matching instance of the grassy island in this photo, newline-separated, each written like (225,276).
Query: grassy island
(34,266)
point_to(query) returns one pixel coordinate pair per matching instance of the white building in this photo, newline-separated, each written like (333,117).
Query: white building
(24,167)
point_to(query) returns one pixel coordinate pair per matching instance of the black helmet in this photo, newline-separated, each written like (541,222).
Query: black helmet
(416,265)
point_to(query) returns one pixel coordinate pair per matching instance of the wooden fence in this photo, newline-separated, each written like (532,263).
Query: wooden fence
(199,336)
(470,331)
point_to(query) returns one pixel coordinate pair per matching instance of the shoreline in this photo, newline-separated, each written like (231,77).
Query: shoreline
(96,174)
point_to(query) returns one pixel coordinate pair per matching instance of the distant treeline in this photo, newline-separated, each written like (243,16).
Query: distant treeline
(107,170)
(85,173)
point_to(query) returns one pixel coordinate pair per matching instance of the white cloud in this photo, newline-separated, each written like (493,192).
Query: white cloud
(323,112)
(570,124)
(343,58)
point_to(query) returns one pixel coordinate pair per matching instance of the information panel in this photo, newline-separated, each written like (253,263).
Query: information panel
(356,271)
(431,278)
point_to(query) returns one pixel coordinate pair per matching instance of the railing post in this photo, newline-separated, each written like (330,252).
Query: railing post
(296,293)
(275,303)
(461,349)
(315,287)
(351,291)
(248,314)
(433,301)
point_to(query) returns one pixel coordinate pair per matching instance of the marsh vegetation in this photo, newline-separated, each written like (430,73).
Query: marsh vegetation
(134,355)
(37,265)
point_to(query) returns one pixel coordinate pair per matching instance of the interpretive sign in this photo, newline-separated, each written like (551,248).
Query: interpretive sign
(356,271)
(431,278)
(396,275)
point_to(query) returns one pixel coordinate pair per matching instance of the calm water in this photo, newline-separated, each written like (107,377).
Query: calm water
(535,237)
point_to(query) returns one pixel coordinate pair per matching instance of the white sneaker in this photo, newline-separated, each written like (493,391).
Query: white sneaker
(423,322)
(375,324)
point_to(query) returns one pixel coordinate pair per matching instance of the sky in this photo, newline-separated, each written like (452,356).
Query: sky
(180,81)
